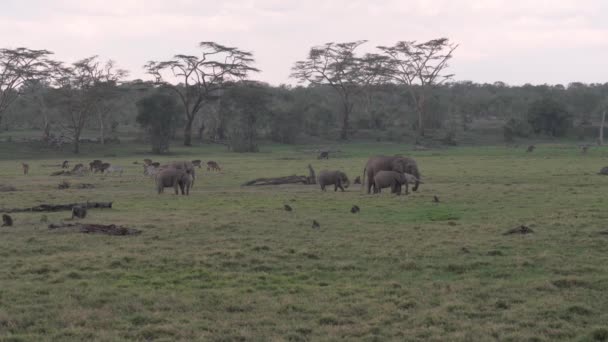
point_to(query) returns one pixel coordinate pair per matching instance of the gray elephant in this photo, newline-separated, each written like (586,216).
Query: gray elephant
(186,166)
(384,163)
(337,178)
(389,179)
(172,178)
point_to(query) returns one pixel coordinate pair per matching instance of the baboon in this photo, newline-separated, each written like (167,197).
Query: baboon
(323,155)
(355,209)
(197,163)
(435,199)
(79,212)
(213,166)
(287,207)
(584,149)
(315,224)
(64,165)
(7,221)
(530,148)
(26,168)
(604,171)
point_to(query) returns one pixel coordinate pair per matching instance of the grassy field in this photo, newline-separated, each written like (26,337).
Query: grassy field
(229,264)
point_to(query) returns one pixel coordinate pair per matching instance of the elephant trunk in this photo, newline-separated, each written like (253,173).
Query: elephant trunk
(417,183)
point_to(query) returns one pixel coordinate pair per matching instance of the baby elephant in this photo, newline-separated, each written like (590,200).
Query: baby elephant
(392,179)
(173,178)
(337,178)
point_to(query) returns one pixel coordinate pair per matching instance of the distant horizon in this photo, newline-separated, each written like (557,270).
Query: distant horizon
(515,42)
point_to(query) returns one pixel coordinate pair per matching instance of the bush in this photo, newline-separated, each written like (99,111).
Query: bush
(158,113)
(516,128)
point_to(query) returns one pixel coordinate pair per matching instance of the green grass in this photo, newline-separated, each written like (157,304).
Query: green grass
(229,264)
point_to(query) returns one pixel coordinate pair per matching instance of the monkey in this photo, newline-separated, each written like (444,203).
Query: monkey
(64,165)
(79,212)
(26,168)
(7,221)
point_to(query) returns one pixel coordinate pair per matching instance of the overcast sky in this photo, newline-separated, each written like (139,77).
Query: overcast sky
(515,41)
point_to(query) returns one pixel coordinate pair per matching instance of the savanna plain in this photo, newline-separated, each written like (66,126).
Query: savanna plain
(228,263)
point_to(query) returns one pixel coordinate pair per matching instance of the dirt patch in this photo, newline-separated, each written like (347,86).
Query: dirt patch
(519,230)
(91,228)
(84,186)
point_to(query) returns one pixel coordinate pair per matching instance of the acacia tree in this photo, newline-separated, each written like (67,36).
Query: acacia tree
(420,67)
(202,77)
(18,66)
(157,113)
(81,88)
(336,65)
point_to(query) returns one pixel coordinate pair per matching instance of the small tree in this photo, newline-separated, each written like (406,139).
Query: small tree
(158,114)
(18,66)
(550,117)
(202,78)
(420,67)
(336,65)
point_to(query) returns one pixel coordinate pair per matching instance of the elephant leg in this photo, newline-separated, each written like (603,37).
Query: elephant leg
(176,188)
(370,182)
(407,192)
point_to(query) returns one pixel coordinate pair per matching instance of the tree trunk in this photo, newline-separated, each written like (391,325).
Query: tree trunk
(601,138)
(102,138)
(345,118)
(201,130)
(188,131)
(77,145)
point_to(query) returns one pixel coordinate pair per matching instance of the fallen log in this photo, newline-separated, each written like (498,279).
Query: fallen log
(90,228)
(59,207)
(278,181)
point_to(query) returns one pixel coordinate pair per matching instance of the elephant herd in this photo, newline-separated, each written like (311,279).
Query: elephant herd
(382,172)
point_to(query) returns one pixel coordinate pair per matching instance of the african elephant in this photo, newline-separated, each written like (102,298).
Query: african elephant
(172,178)
(185,184)
(337,178)
(183,165)
(392,179)
(384,163)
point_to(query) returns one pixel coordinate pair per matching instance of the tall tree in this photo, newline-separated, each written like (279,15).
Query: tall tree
(420,67)
(157,113)
(202,77)
(17,66)
(81,88)
(336,65)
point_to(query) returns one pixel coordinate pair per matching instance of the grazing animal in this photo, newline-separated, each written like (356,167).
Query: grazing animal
(64,165)
(390,179)
(323,155)
(95,164)
(355,209)
(287,207)
(102,167)
(7,220)
(213,166)
(79,212)
(530,148)
(150,170)
(26,168)
(172,178)
(114,169)
(316,224)
(197,163)
(336,178)
(357,180)
(185,166)
(604,171)
(77,167)
(395,163)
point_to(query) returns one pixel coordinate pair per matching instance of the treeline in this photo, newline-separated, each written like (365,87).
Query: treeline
(212,97)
